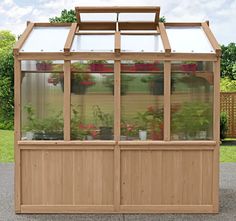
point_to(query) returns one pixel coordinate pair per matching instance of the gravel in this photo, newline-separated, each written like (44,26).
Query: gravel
(227,203)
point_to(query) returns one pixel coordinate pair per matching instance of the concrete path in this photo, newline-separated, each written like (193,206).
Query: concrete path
(227,198)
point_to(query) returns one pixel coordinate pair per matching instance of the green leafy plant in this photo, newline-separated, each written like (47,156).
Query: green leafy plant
(101,118)
(45,126)
(79,130)
(228,85)
(223,125)
(129,129)
(125,79)
(192,118)
(150,119)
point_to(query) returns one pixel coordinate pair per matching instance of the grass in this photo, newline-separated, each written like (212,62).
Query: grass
(227,153)
(6,146)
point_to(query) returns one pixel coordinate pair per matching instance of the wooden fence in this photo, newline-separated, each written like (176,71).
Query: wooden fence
(228,105)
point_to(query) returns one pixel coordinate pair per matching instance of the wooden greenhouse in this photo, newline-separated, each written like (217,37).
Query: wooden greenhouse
(117,113)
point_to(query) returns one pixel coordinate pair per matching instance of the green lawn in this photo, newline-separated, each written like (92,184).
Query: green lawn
(227,153)
(6,146)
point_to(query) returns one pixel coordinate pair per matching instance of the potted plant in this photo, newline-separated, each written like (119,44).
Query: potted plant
(44,65)
(49,128)
(192,120)
(128,130)
(100,66)
(142,122)
(155,122)
(128,67)
(80,78)
(80,130)
(105,121)
(142,66)
(156,83)
(125,79)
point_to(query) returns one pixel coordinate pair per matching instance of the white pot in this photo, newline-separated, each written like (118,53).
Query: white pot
(29,135)
(202,135)
(89,137)
(122,137)
(142,134)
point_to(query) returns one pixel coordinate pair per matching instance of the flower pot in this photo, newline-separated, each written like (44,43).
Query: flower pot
(76,87)
(142,134)
(89,137)
(127,67)
(122,137)
(145,67)
(38,136)
(189,67)
(96,67)
(202,135)
(29,135)
(157,86)
(106,133)
(43,66)
(53,81)
(53,136)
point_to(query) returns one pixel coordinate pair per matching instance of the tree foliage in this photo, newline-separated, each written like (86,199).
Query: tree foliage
(66,16)
(7,41)
(227,85)
(228,61)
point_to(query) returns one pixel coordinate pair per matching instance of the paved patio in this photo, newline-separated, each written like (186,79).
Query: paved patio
(227,202)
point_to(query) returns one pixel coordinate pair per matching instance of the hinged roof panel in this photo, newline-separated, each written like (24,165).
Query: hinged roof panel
(46,39)
(147,13)
(188,40)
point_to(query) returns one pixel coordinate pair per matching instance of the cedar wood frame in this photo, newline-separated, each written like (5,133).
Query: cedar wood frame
(116,145)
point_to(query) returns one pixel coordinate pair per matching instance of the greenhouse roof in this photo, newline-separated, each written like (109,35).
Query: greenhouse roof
(119,30)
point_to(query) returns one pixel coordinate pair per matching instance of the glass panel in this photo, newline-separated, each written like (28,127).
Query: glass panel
(141,43)
(192,101)
(90,43)
(42,100)
(46,39)
(188,40)
(137,16)
(98,17)
(142,89)
(92,100)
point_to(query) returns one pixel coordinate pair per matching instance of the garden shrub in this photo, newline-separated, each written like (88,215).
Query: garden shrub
(223,125)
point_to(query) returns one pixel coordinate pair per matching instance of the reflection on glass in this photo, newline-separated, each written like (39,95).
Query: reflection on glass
(42,100)
(192,101)
(92,100)
(142,87)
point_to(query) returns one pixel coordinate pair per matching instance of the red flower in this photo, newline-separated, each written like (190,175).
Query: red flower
(87,83)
